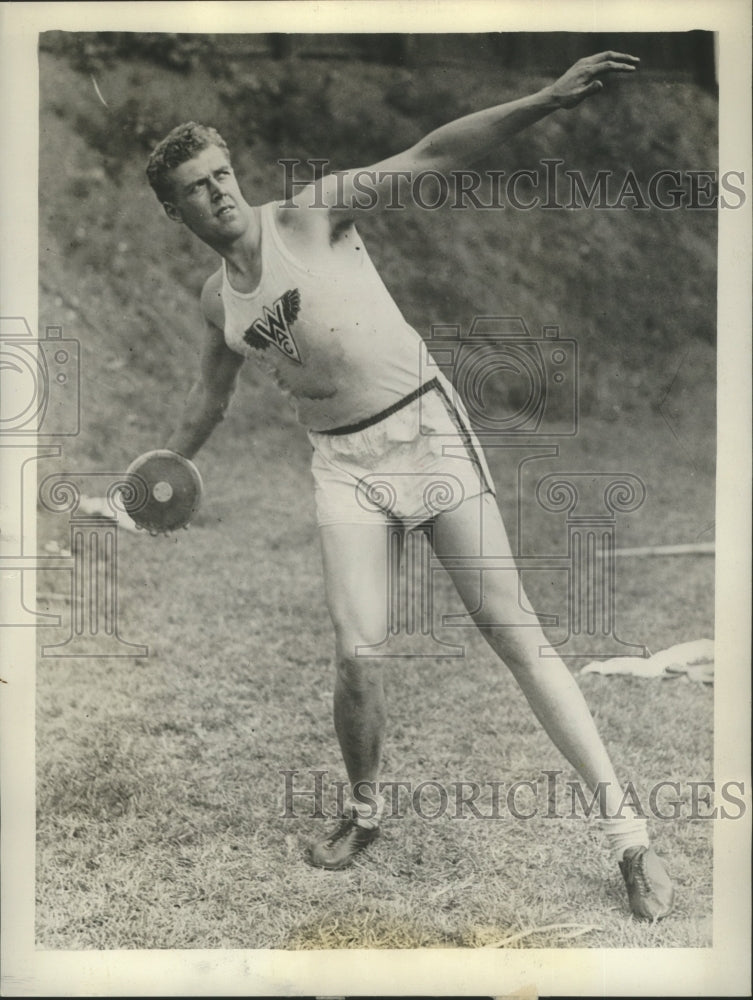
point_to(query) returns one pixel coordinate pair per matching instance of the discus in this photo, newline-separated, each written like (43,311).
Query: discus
(166,491)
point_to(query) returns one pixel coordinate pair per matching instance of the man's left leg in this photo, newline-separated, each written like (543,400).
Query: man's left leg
(495,598)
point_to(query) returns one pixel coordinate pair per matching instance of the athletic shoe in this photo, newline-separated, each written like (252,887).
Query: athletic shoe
(343,844)
(649,889)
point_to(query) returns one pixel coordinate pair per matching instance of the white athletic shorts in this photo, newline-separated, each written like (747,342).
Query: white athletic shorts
(409,463)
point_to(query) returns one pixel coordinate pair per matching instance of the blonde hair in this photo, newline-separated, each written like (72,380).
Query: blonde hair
(179,145)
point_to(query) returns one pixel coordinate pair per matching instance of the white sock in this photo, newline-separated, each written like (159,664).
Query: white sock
(620,834)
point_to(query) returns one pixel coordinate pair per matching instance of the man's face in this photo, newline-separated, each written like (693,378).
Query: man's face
(206,197)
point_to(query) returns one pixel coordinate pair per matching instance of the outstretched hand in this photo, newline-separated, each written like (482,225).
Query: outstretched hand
(584,78)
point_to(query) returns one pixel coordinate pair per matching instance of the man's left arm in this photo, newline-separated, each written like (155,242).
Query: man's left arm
(461,143)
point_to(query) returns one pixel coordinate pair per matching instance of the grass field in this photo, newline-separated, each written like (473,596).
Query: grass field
(160,794)
(159,787)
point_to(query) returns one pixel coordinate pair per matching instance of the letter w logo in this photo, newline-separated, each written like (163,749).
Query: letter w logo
(274,328)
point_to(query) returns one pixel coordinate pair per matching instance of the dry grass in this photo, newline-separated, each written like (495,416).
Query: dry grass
(160,797)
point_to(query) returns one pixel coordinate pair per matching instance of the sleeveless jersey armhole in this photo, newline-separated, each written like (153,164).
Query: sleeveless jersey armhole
(211,302)
(270,212)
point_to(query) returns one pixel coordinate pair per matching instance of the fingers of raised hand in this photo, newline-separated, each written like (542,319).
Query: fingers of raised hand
(613,67)
(615,62)
(614,56)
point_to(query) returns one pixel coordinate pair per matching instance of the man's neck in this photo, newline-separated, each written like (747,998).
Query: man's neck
(243,253)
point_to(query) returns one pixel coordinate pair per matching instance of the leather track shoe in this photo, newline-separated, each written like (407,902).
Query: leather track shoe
(340,848)
(650,892)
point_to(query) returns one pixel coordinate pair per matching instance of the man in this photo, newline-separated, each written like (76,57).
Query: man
(297,291)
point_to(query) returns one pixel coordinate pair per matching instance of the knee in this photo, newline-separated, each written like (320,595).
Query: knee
(358,673)
(518,646)
(355,639)
(509,624)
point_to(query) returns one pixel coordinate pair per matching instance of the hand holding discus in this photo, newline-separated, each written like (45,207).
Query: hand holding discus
(167,491)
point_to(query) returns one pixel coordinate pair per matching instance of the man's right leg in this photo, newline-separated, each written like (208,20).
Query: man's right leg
(355,576)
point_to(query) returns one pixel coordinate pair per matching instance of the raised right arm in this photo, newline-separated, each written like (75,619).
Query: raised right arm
(218,375)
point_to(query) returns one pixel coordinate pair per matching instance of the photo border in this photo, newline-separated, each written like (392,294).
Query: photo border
(723,969)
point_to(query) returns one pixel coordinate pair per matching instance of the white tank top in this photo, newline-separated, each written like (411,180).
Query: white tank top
(329,333)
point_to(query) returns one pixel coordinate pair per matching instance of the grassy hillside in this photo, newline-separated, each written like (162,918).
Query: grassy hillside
(635,288)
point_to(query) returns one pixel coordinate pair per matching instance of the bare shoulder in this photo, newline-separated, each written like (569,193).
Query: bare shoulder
(211,300)
(309,225)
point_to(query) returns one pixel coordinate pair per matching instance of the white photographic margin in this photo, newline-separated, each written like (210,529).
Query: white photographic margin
(724,969)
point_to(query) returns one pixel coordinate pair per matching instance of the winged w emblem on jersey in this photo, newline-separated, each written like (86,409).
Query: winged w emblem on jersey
(274,327)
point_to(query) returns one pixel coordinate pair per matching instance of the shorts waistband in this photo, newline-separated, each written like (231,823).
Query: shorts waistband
(361,425)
